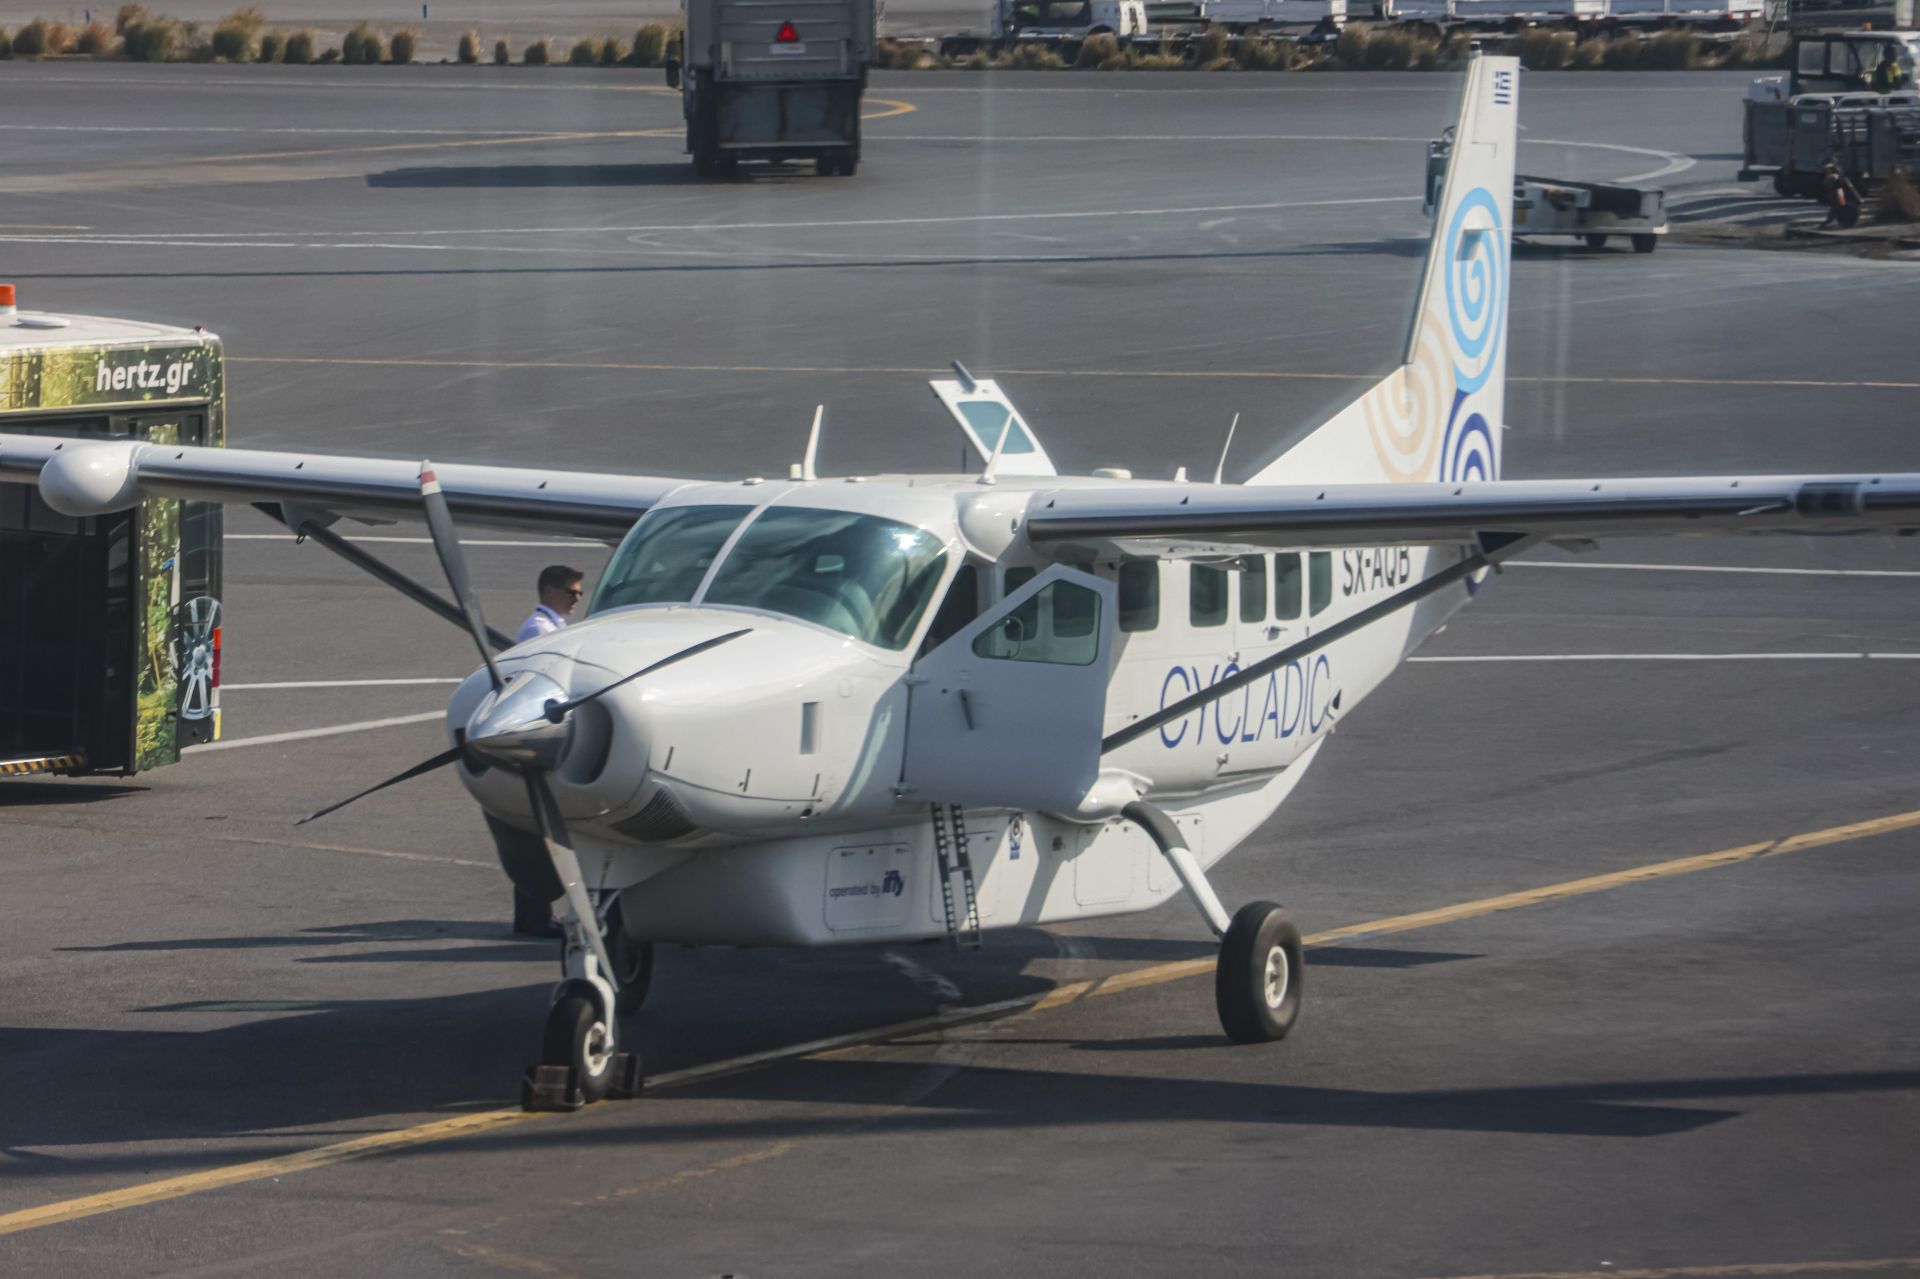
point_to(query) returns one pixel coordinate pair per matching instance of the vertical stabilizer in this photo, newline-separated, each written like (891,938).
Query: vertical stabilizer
(1438,416)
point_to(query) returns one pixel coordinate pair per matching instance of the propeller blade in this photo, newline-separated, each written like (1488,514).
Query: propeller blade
(424,766)
(556,711)
(553,829)
(446,544)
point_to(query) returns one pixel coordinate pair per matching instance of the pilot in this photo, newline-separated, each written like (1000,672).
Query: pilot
(559,592)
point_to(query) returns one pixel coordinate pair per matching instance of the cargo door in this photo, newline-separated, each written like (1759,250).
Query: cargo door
(984,413)
(1009,712)
(789,39)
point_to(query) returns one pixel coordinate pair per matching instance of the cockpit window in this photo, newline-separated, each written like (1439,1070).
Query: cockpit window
(860,575)
(666,557)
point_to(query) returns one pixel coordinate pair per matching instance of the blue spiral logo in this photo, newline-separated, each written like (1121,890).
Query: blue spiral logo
(1471,452)
(1476,277)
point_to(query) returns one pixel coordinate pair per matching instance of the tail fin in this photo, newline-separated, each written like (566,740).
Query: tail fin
(1438,415)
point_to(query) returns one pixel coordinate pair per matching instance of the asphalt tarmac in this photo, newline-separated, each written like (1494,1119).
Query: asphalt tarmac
(1709,1069)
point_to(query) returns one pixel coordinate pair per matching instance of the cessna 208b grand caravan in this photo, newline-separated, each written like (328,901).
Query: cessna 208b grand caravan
(877,708)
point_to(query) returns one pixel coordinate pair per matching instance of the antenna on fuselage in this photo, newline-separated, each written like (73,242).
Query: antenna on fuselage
(1006,429)
(1220,468)
(803,469)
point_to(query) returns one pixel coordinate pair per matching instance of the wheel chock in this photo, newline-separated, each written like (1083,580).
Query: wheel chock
(550,1088)
(627,1083)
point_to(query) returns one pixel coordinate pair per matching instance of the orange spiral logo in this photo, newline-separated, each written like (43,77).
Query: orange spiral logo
(1406,413)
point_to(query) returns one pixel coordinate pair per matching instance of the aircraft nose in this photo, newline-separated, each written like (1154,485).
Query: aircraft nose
(514,725)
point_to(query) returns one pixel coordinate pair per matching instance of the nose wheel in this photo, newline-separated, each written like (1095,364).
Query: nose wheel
(579,1039)
(580,1061)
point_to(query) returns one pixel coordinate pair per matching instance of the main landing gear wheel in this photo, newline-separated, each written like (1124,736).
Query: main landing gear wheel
(1257,984)
(632,966)
(579,1039)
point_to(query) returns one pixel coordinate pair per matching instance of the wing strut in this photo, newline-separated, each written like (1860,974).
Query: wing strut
(305,523)
(1494,547)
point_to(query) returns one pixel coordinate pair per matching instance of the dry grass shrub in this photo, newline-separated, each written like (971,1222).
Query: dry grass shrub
(1900,197)
(1545,50)
(300,48)
(1029,57)
(6,44)
(467,52)
(1260,53)
(96,39)
(406,44)
(585,53)
(650,45)
(150,38)
(272,46)
(234,37)
(364,46)
(1211,46)
(539,53)
(40,38)
(502,53)
(613,52)
(1097,50)
(1590,54)
(127,16)
(1156,62)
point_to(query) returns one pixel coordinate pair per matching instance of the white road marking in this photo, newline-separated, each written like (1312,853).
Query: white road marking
(567,544)
(236,238)
(391,853)
(1724,568)
(942,991)
(249,129)
(300,735)
(337,683)
(1677,657)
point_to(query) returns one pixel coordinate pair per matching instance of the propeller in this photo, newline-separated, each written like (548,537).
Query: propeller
(522,725)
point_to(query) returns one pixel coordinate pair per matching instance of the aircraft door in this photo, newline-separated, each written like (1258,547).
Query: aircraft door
(1009,712)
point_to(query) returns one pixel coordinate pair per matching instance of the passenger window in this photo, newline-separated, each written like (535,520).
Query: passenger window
(1139,595)
(1014,579)
(1286,587)
(961,606)
(1020,638)
(1253,588)
(1207,596)
(1319,581)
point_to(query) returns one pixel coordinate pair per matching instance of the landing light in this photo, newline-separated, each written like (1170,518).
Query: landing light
(787,35)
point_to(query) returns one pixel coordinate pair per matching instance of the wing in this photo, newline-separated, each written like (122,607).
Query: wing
(1172,519)
(93,476)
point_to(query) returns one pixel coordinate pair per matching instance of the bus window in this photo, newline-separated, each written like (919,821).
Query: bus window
(1207,596)
(1319,581)
(1139,595)
(1253,588)
(1286,586)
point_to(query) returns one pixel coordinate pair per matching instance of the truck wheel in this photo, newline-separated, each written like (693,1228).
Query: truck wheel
(1781,185)
(1596,241)
(825,165)
(1645,243)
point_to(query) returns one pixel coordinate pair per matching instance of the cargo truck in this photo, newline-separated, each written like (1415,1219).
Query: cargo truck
(773,80)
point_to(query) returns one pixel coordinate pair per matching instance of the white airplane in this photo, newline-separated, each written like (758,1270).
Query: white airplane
(880,708)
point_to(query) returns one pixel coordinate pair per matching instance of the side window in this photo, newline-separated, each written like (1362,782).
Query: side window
(1019,637)
(1253,588)
(961,606)
(1014,579)
(1286,586)
(1207,596)
(1139,595)
(1319,581)
(1813,58)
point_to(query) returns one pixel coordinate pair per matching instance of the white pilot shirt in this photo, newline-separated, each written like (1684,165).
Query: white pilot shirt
(542,621)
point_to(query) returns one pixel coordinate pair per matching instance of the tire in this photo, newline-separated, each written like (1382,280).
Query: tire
(1257,983)
(1645,243)
(825,165)
(632,966)
(849,164)
(578,1039)
(1781,185)
(1595,241)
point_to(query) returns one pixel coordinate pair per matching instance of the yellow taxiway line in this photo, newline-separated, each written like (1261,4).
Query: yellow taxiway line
(1069,993)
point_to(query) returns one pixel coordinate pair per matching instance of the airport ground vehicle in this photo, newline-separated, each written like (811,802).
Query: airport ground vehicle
(1583,15)
(109,623)
(1589,211)
(1057,24)
(1822,108)
(1853,15)
(782,81)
